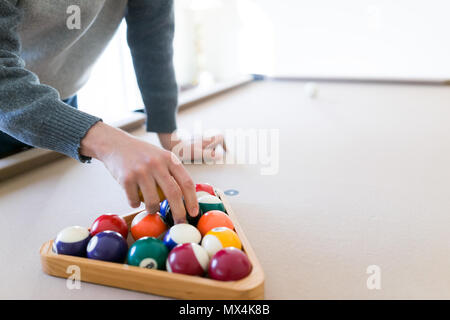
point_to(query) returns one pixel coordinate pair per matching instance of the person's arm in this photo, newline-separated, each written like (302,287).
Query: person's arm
(33,113)
(150,35)
(30,111)
(150,31)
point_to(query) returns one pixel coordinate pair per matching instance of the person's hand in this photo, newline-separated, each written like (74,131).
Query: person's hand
(136,164)
(198,148)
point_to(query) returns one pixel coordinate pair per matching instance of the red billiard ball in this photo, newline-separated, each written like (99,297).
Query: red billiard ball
(203,189)
(188,258)
(229,264)
(111,222)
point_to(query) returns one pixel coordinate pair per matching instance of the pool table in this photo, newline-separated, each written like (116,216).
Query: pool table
(360,178)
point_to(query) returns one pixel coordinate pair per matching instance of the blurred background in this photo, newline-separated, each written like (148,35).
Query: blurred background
(220,40)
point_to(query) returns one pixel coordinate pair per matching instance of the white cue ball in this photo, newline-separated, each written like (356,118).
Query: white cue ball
(311,89)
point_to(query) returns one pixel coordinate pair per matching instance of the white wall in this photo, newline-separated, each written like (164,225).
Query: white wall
(322,38)
(367,38)
(206,50)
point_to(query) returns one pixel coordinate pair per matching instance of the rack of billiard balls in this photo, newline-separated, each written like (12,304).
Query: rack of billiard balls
(205,246)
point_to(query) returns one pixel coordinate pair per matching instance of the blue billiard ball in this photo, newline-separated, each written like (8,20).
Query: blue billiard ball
(181,233)
(166,213)
(107,246)
(72,241)
(164,208)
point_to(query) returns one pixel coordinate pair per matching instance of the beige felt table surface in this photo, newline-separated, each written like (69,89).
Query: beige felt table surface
(363,180)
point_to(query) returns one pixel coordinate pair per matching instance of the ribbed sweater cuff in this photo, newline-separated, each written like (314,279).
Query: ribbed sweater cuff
(65,128)
(162,122)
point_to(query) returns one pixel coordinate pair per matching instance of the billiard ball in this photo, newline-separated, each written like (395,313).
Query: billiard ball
(107,246)
(72,241)
(213,219)
(311,90)
(219,238)
(166,213)
(148,252)
(209,202)
(188,258)
(158,189)
(146,224)
(202,189)
(229,264)
(111,222)
(164,208)
(181,233)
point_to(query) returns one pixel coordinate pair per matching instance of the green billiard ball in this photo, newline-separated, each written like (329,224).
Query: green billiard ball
(210,202)
(148,252)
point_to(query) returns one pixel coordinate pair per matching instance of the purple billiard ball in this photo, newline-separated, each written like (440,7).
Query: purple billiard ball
(107,246)
(72,241)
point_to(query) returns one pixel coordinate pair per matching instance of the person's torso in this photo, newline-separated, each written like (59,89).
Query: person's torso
(53,47)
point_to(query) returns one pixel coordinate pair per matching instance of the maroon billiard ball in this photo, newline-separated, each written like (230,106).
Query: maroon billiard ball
(188,258)
(111,222)
(229,264)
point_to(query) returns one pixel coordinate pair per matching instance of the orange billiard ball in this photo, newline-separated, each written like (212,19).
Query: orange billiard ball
(213,219)
(147,224)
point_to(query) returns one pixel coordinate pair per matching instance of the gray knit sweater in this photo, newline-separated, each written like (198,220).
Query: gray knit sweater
(45,57)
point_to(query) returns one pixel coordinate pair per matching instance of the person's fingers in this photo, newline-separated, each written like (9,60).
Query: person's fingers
(173,193)
(224,144)
(211,148)
(148,188)
(131,190)
(214,141)
(186,185)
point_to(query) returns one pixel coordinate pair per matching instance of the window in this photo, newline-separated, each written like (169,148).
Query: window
(206,52)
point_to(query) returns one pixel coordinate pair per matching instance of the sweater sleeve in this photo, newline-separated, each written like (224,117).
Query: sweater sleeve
(30,111)
(150,31)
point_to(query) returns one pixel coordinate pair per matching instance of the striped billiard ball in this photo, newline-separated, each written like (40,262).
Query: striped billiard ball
(203,189)
(148,252)
(219,238)
(164,209)
(188,258)
(181,233)
(209,202)
(146,224)
(72,241)
(107,246)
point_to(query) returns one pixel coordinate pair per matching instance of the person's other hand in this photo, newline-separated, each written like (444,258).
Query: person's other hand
(198,148)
